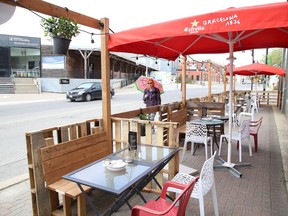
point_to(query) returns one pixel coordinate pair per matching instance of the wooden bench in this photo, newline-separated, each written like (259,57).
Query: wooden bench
(179,116)
(213,108)
(60,159)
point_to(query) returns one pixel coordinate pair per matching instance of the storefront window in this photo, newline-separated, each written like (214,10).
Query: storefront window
(25,62)
(19,56)
(4,62)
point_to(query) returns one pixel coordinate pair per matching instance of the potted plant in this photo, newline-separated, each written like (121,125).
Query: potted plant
(143,116)
(61,29)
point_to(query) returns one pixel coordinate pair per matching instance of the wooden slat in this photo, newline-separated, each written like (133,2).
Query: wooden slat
(54,200)
(64,130)
(75,191)
(70,162)
(179,116)
(49,141)
(95,130)
(73,132)
(66,187)
(70,146)
(57,11)
(57,174)
(82,129)
(81,205)
(37,142)
(67,201)
(57,184)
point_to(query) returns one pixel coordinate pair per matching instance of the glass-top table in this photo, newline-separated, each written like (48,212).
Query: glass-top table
(98,176)
(138,173)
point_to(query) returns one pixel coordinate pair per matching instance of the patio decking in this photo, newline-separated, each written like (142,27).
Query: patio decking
(261,191)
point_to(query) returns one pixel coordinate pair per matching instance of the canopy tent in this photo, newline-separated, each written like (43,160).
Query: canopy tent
(223,31)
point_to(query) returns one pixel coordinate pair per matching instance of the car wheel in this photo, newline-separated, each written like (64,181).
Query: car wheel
(111,95)
(88,97)
(72,100)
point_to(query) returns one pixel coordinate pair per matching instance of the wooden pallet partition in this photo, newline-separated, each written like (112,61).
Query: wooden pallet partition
(44,138)
(39,195)
(122,127)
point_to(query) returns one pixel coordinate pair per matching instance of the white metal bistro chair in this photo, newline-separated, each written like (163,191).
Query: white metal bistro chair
(197,133)
(240,135)
(204,184)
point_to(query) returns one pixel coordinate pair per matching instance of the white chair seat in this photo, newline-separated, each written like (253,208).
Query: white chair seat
(243,133)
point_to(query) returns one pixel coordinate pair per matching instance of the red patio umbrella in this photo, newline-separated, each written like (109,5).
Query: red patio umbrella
(225,31)
(261,26)
(141,84)
(258,69)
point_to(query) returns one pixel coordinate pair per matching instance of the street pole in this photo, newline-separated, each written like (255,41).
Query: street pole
(253,61)
(266,62)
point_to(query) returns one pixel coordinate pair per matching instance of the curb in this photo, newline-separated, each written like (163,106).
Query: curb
(13,181)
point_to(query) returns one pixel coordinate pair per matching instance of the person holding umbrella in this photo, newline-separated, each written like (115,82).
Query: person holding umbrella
(151,97)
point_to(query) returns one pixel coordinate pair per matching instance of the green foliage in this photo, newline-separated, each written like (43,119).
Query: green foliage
(60,27)
(274,57)
(143,116)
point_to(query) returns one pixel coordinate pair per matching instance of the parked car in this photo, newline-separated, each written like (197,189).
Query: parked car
(87,91)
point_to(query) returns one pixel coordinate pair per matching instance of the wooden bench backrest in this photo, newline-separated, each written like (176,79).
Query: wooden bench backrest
(58,160)
(213,108)
(179,116)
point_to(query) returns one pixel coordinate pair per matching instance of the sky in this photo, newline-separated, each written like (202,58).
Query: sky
(126,14)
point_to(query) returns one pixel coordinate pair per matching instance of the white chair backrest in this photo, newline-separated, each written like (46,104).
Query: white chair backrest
(227,109)
(245,116)
(206,178)
(244,129)
(195,132)
(248,104)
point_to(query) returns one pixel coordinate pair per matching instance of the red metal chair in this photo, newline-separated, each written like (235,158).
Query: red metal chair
(254,128)
(164,207)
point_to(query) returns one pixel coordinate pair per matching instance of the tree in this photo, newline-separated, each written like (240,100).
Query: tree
(274,57)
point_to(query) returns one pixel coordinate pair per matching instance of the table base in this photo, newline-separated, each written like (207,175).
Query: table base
(231,167)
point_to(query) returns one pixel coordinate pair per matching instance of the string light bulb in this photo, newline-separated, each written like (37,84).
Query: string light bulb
(92,40)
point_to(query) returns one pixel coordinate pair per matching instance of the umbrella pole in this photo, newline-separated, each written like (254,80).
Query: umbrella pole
(231,58)
(230,166)
(183,81)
